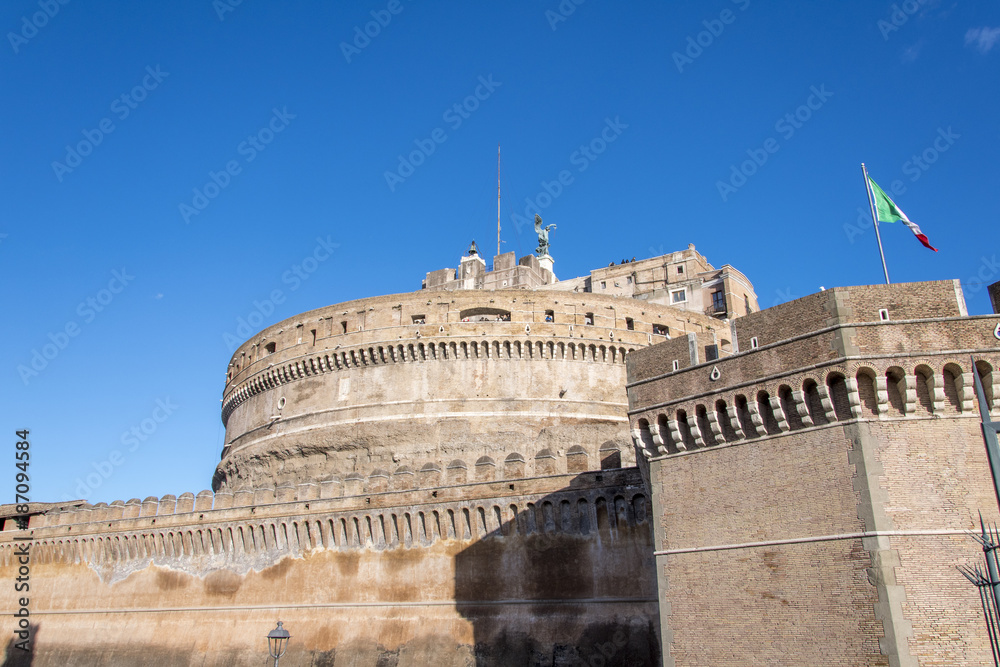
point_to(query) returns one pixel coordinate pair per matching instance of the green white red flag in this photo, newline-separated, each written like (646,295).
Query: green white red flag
(887,211)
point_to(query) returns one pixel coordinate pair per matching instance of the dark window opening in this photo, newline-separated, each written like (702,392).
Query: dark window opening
(419,319)
(314,336)
(680,269)
(588,318)
(481,314)
(660,330)
(271,347)
(629,324)
(343,327)
(719,301)
(550,316)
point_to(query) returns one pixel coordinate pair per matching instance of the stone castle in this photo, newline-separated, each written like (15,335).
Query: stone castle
(634,467)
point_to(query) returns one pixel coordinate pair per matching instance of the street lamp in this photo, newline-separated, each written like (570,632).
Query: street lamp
(277,642)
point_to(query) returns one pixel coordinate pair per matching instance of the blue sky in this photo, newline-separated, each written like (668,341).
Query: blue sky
(174,168)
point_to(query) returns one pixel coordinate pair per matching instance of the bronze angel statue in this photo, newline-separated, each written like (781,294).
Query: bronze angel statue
(543,236)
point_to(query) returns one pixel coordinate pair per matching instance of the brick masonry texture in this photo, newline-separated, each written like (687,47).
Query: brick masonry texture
(840,463)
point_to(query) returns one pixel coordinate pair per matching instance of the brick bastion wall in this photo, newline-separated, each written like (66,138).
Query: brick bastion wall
(811,494)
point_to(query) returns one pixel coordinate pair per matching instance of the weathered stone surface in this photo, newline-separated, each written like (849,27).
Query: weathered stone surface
(837,473)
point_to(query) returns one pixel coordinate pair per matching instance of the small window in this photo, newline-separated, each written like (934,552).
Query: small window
(718,301)
(419,319)
(754,343)
(883,314)
(660,330)
(629,279)
(314,336)
(680,269)
(711,352)
(680,296)
(629,324)
(746,301)
(677,364)
(343,327)
(604,284)
(271,347)
(550,316)
(588,318)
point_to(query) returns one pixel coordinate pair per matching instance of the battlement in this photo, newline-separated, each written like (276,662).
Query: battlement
(253,529)
(819,359)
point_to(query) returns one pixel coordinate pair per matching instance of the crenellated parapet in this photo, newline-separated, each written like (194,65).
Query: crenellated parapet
(253,530)
(898,388)
(432,477)
(784,380)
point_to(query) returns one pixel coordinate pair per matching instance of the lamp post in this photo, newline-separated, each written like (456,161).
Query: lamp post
(277,642)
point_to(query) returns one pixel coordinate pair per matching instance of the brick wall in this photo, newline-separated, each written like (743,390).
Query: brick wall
(842,471)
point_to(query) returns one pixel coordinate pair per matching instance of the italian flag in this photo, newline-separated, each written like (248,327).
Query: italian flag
(887,211)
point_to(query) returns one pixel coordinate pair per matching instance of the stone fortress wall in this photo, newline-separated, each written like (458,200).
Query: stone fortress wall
(830,469)
(420,565)
(569,472)
(443,477)
(398,382)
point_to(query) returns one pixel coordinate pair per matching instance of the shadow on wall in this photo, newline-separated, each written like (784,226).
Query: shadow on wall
(568,579)
(15,657)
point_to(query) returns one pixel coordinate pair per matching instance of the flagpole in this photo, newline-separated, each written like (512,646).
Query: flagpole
(878,237)
(498,198)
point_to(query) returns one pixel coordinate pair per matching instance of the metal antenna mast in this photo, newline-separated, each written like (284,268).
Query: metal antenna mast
(498,198)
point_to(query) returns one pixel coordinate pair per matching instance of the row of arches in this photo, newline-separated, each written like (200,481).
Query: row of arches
(371,530)
(892,392)
(421,351)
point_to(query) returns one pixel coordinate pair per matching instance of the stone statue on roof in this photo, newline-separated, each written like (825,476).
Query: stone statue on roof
(543,236)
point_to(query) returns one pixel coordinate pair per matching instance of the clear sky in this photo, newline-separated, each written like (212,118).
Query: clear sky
(172,169)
